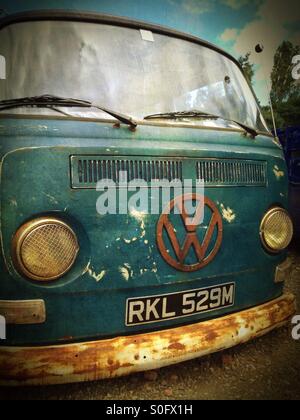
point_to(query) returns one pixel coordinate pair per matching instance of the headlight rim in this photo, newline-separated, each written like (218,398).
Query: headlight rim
(267,215)
(23,232)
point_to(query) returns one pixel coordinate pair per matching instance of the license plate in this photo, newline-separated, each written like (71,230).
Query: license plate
(158,308)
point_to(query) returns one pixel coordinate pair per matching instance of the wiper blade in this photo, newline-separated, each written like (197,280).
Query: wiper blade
(52,102)
(200,114)
(44,100)
(179,114)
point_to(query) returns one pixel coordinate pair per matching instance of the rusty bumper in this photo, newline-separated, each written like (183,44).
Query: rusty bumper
(123,355)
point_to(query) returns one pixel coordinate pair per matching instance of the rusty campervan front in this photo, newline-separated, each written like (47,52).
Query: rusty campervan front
(144,209)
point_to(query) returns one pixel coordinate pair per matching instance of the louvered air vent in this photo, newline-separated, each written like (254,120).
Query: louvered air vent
(88,170)
(228,172)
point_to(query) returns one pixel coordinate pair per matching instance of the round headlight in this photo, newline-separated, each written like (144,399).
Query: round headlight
(45,249)
(276,230)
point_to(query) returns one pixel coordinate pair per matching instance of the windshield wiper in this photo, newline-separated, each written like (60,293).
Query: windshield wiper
(52,102)
(200,114)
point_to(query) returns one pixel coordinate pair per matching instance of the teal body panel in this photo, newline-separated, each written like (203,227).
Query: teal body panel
(89,302)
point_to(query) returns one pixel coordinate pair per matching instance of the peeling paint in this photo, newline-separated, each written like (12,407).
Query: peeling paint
(125,272)
(140,217)
(148,270)
(86,269)
(129,241)
(128,266)
(143,234)
(278,173)
(228,214)
(93,274)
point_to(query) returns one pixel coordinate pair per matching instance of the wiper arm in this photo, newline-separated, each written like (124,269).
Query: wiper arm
(200,114)
(52,102)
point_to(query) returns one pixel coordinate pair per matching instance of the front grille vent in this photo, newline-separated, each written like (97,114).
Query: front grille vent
(227,172)
(87,171)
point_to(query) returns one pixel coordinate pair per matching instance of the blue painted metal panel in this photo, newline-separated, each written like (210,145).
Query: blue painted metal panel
(37,162)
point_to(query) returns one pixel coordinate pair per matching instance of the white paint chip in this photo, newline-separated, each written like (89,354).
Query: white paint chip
(147,35)
(95,276)
(125,272)
(278,173)
(228,214)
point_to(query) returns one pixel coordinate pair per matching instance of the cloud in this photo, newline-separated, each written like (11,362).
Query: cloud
(270,27)
(229,35)
(198,7)
(236,4)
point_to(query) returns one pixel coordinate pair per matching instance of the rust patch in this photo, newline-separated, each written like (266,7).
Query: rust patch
(120,356)
(211,336)
(176,346)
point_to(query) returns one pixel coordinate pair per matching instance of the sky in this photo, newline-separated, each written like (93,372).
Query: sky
(234,25)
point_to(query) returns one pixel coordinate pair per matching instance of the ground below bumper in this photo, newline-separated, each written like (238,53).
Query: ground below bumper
(124,355)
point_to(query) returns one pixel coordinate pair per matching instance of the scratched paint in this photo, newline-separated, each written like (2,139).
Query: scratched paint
(13,202)
(51,198)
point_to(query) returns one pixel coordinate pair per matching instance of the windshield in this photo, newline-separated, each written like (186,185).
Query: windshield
(131,71)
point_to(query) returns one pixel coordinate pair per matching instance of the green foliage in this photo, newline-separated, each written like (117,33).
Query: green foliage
(247,67)
(284,87)
(285,93)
